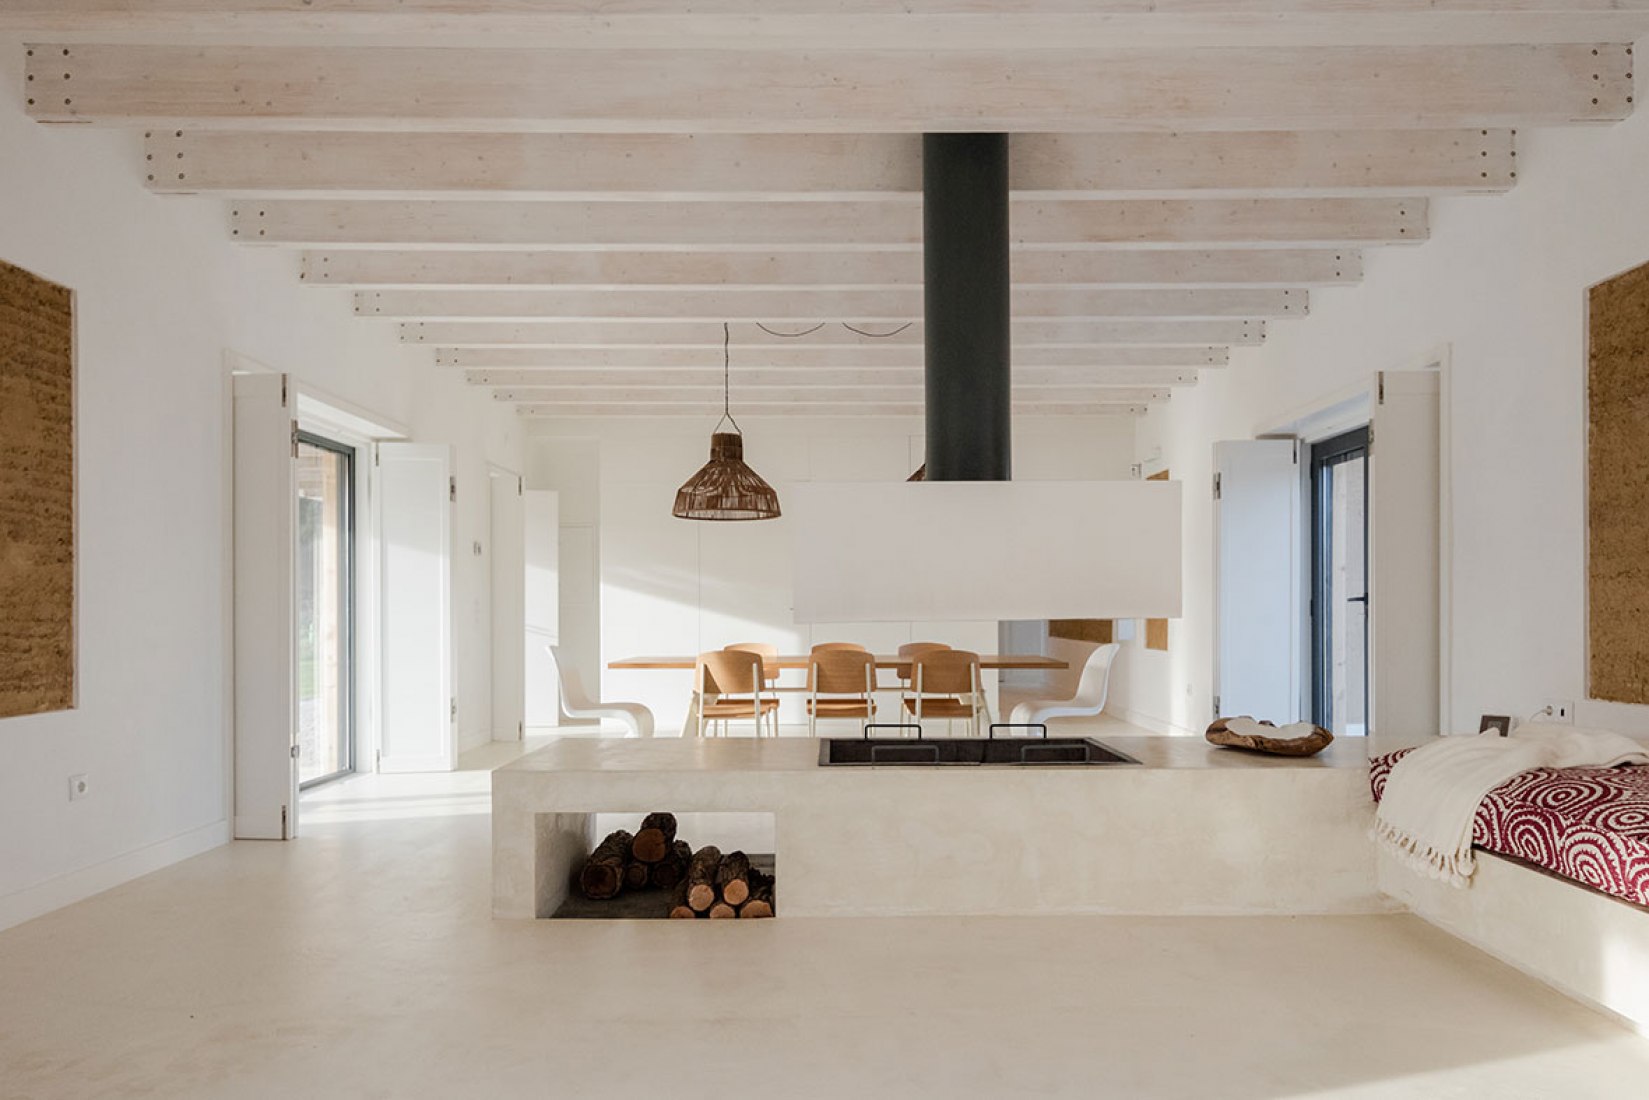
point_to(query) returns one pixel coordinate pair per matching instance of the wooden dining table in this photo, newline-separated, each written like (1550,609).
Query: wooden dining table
(1001,661)
(678,663)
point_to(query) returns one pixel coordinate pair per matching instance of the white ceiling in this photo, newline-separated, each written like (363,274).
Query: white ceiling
(566,198)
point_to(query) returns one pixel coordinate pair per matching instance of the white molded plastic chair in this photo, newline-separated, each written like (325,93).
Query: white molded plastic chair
(1089,699)
(575,704)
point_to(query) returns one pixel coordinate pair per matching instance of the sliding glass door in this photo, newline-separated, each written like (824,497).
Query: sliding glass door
(326,601)
(1339,582)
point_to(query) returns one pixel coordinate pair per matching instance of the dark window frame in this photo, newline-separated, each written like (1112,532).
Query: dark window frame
(1325,455)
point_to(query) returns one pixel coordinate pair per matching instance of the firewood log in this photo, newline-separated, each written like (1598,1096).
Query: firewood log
(756,909)
(722,911)
(635,875)
(733,878)
(603,873)
(761,902)
(679,909)
(701,877)
(656,837)
(673,867)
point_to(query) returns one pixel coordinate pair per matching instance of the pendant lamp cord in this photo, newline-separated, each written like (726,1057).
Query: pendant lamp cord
(727,358)
(726,379)
(856,331)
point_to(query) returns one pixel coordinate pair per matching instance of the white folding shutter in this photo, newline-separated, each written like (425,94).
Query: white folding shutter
(1404,562)
(265,525)
(508,608)
(415,497)
(543,605)
(1257,579)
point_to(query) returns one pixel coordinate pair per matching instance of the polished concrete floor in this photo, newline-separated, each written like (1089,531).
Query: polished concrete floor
(360,961)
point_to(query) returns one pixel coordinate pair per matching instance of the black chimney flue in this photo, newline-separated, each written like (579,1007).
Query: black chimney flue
(967,309)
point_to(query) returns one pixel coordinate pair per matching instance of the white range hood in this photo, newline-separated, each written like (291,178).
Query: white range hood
(980,550)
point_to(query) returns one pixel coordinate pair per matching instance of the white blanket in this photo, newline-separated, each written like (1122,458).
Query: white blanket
(1431,796)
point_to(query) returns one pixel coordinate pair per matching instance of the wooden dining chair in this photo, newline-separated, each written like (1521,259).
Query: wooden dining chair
(912,649)
(832,647)
(769,654)
(945,683)
(730,684)
(841,683)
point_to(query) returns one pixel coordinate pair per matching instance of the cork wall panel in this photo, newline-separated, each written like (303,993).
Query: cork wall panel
(37,668)
(1618,489)
(1156,630)
(1082,630)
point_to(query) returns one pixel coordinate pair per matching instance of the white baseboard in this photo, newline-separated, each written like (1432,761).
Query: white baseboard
(55,893)
(1151,722)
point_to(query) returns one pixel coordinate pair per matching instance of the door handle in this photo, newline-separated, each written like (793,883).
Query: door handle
(1356,599)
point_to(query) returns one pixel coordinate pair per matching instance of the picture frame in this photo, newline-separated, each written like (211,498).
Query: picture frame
(1501,723)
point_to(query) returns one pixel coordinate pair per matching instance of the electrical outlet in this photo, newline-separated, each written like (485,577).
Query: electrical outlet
(1560,712)
(78,787)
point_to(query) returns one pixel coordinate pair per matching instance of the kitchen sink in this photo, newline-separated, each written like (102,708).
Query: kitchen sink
(963,751)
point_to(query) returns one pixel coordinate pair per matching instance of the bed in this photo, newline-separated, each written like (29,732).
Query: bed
(1587,825)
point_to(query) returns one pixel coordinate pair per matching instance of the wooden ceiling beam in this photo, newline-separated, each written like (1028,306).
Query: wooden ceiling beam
(836,24)
(760,397)
(1056,225)
(808,91)
(746,378)
(390,269)
(663,167)
(806,306)
(913,410)
(1028,333)
(804,354)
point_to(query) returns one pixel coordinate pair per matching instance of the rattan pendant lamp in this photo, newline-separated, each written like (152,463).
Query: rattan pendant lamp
(725,488)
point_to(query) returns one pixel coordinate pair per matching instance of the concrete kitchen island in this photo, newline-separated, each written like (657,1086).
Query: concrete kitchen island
(1192,829)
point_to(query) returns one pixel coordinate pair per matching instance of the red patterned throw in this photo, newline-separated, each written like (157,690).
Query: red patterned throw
(1590,825)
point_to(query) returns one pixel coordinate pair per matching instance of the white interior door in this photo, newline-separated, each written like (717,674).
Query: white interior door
(508,607)
(1405,652)
(1257,579)
(265,522)
(415,493)
(543,605)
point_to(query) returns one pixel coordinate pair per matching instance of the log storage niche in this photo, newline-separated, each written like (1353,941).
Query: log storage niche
(37,665)
(654,874)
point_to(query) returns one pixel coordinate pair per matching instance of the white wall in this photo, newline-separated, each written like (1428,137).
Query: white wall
(1500,290)
(571,467)
(162,295)
(674,586)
